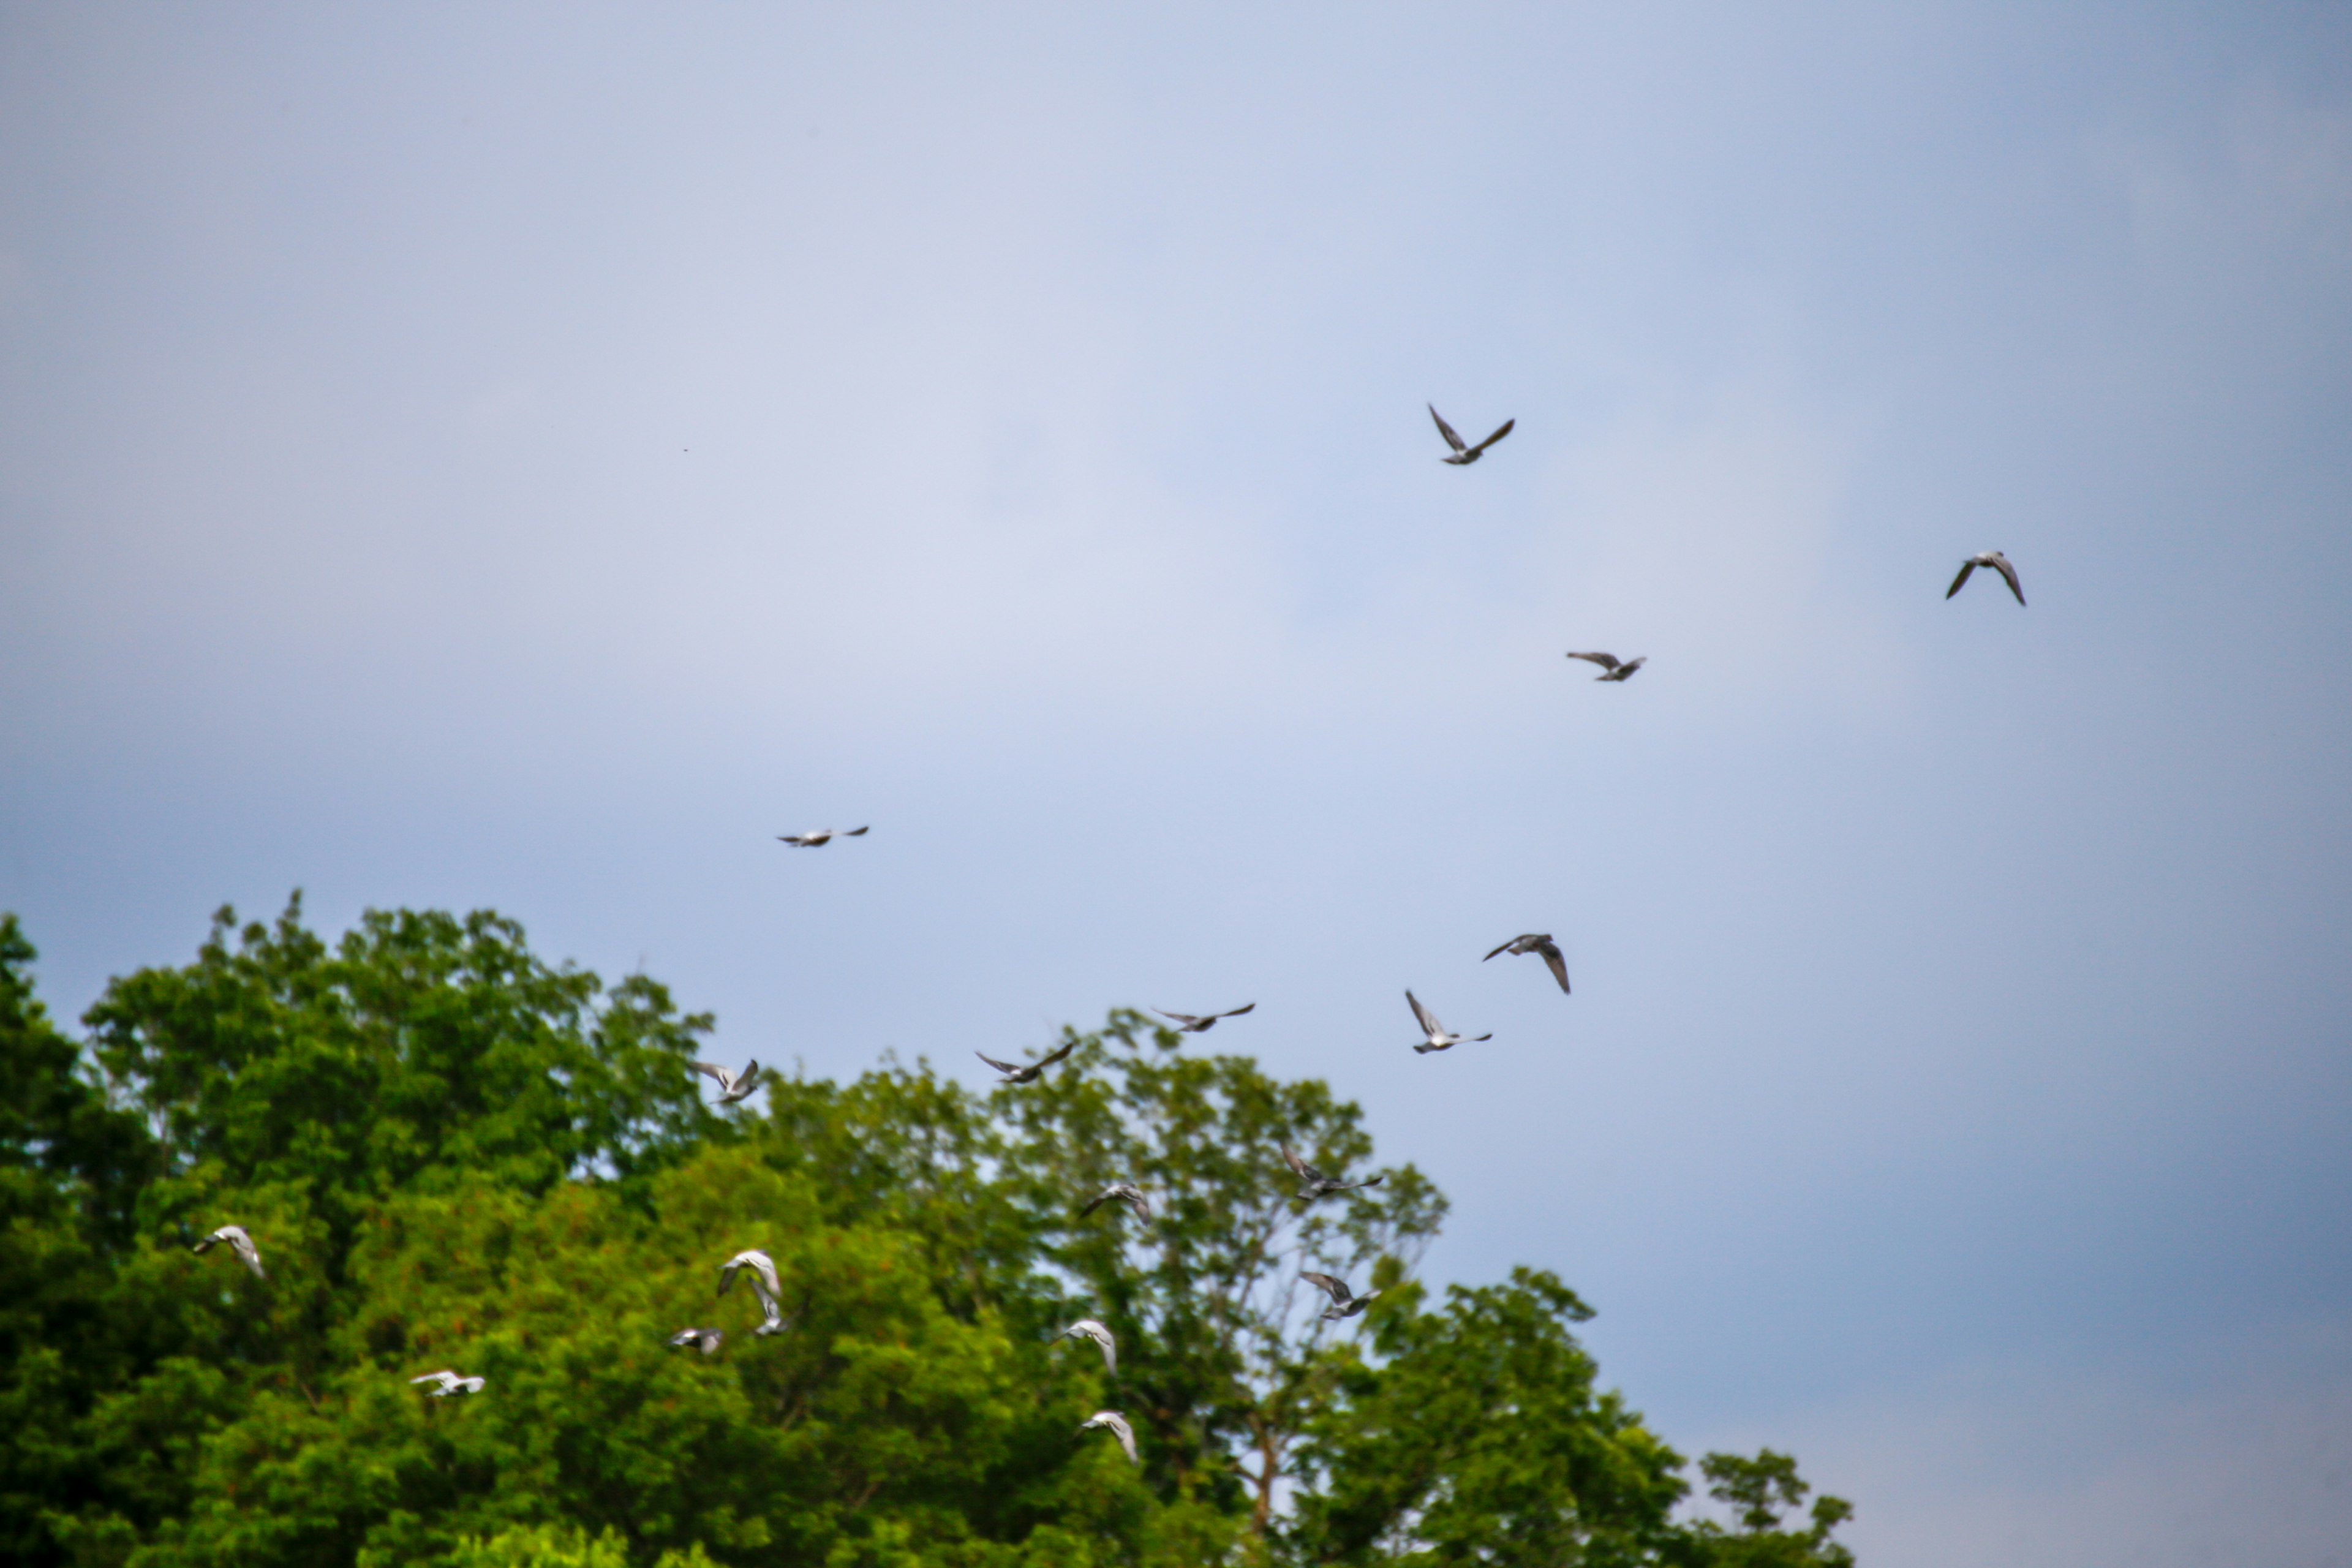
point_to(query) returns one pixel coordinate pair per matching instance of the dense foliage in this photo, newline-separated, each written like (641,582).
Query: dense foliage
(453,1155)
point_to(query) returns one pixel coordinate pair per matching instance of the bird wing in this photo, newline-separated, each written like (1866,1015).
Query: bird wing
(766,1267)
(797,840)
(1605,660)
(1425,1019)
(1474,1039)
(742,1086)
(1133,1198)
(856,832)
(1050,1057)
(250,1253)
(712,1069)
(1965,567)
(992,1061)
(1505,948)
(1298,1167)
(443,1378)
(1187,1019)
(1099,1199)
(1238,1012)
(1498,436)
(2009,575)
(1336,1289)
(1555,963)
(1445,429)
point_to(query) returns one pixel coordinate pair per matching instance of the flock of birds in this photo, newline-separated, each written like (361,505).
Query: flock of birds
(760,1269)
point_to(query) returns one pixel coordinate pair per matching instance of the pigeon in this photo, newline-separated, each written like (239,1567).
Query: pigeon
(449,1383)
(1439,1040)
(1186,1024)
(1344,1304)
(241,1242)
(764,1286)
(1087,1329)
(732,1087)
(1116,1424)
(1999,563)
(704,1339)
(1538,942)
(823,835)
(1608,662)
(1028,1072)
(1463,457)
(1317,1183)
(1125,1193)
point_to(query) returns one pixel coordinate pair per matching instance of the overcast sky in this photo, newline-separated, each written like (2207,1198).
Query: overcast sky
(529,457)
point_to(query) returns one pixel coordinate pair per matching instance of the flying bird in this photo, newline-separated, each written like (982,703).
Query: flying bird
(1028,1072)
(704,1339)
(1999,563)
(732,1087)
(239,1242)
(764,1286)
(1613,670)
(1463,457)
(1439,1040)
(1126,1192)
(1317,1183)
(1116,1424)
(1087,1329)
(1538,942)
(1344,1304)
(1186,1024)
(449,1383)
(823,835)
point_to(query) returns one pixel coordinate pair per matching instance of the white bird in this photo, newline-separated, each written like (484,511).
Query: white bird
(1609,662)
(450,1382)
(1439,1040)
(239,1242)
(1188,1023)
(1087,1329)
(1538,942)
(704,1339)
(764,1286)
(823,835)
(1126,1192)
(1116,1424)
(1462,456)
(1317,1183)
(732,1087)
(1999,563)
(1028,1072)
(1343,1304)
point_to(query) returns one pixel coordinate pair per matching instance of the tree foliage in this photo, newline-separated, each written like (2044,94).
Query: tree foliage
(455,1155)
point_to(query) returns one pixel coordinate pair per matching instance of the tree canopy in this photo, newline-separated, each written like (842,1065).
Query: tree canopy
(453,1155)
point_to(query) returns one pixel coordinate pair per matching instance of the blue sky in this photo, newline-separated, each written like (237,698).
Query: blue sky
(528,457)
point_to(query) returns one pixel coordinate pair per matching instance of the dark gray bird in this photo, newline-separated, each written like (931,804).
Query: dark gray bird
(1187,1024)
(1126,1192)
(1343,1303)
(1999,563)
(1538,942)
(764,1286)
(1462,457)
(240,1243)
(823,835)
(1028,1072)
(450,1382)
(1439,1040)
(1087,1329)
(1612,668)
(1112,1421)
(704,1339)
(732,1087)
(1317,1183)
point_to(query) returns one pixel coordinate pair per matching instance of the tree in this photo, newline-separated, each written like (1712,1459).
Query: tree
(1760,1491)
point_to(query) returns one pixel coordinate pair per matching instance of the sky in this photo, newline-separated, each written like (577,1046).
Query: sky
(528,457)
